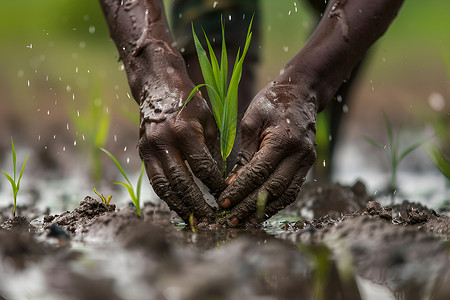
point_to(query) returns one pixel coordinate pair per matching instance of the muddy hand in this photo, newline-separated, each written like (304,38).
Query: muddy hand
(278,149)
(160,85)
(166,144)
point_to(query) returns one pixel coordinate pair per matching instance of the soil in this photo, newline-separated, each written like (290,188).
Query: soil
(352,248)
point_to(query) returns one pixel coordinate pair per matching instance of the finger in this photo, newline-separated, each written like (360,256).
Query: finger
(288,197)
(275,187)
(183,184)
(251,176)
(161,186)
(204,166)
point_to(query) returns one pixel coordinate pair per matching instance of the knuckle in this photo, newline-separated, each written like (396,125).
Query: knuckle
(161,186)
(259,172)
(276,187)
(179,180)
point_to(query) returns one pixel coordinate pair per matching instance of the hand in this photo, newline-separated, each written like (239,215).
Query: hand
(278,149)
(168,139)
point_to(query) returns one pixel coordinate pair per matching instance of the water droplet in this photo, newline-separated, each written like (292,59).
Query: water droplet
(285,48)
(48,112)
(82,45)
(67,126)
(30,46)
(229,17)
(215,4)
(125,149)
(28,82)
(182,50)
(64,148)
(115,138)
(330,138)
(436,101)
(39,137)
(75,143)
(288,121)
(345,108)
(128,160)
(170,70)
(324,163)
(289,13)
(180,15)
(92,29)
(281,71)
(76,69)
(78,113)
(68,88)
(339,98)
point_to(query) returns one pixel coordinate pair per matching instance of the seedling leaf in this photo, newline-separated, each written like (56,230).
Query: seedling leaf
(119,166)
(373,142)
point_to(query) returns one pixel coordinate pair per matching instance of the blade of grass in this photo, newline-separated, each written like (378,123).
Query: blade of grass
(21,173)
(215,67)
(192,95)
(208,76)
(373,142)
(223,61)
(388,124)
(14,158)
(119,166)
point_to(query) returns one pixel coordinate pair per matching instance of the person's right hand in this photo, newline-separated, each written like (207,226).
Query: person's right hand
(168,139)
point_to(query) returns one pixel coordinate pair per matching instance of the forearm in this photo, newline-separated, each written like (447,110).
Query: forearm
(141,34)
(346,31)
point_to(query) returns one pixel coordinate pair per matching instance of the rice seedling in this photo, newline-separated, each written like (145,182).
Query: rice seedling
(393,152)
(223,98)
(12,179)
(106,200)
(135,195)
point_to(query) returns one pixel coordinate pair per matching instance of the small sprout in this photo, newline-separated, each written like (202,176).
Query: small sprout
(15,185)
(106,200)
(135,196)
(223,99)
(393,153)
(191,223)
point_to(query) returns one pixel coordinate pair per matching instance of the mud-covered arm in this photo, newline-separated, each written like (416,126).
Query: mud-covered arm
(160,85)
(278,128)
(346,31)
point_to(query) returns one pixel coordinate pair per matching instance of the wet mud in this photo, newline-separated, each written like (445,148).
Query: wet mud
(351,249)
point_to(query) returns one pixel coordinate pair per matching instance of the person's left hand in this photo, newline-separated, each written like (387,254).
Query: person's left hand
(278,149)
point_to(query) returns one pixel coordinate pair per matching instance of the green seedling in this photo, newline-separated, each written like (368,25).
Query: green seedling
(393,152)
(135,196)
(441,162)
(15,185)
(106,200)
(223,99)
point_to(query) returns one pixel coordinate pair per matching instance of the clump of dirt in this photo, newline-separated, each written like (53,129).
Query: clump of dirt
(18,223)
(72,221)
(318,200)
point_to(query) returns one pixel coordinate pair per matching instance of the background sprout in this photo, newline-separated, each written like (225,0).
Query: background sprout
(15,185)
(135,196)
(439,159)
(223,99)
(392,150)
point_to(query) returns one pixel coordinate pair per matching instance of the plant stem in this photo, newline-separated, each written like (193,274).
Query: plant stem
(224,167)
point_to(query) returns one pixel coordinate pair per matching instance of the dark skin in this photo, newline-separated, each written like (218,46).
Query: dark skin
(277,130)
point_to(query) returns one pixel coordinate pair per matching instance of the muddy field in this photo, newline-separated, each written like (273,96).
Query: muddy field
(346,246)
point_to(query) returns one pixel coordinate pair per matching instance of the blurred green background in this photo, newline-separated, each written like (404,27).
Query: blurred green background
(56,58)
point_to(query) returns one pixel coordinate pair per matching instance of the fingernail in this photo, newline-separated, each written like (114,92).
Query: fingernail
(231,178)
(234,222)
(226,203)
